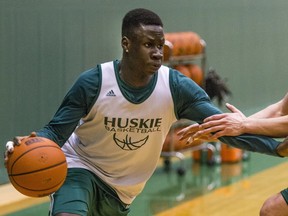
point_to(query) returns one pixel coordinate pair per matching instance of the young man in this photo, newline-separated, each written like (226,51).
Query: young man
(112,123)
(271,121)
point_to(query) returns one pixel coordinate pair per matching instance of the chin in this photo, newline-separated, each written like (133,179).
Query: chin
(153,71)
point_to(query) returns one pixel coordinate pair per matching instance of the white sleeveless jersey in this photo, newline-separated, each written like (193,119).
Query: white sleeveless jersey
(121,141)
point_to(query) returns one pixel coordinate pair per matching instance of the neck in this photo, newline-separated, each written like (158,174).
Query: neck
(133,76)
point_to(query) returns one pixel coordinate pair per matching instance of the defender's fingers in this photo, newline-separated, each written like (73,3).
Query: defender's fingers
(215,117)
(232,108)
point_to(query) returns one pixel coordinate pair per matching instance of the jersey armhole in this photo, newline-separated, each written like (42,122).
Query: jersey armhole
(173,91)
(99,74)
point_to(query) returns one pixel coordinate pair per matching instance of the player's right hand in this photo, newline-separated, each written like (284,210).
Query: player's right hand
(11,144)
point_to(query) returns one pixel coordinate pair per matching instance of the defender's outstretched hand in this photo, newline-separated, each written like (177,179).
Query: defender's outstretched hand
(213,127)
(226,124)
(11,144)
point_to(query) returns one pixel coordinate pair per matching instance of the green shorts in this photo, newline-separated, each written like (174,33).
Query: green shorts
(285,194)
(83,193)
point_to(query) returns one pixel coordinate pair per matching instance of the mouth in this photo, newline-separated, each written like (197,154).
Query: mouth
(157,65)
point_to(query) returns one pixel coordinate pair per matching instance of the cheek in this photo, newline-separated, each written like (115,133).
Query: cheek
(141,54)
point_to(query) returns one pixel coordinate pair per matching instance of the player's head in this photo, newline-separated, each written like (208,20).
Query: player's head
(137,17)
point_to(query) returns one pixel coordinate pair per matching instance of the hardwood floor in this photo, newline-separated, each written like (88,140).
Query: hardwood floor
(235,189)
(241,198)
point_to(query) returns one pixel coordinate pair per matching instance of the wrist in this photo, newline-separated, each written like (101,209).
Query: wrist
(245,126)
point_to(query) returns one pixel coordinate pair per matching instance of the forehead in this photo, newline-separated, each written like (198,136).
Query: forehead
(150,32)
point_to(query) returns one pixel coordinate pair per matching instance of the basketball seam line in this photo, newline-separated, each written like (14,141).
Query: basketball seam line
(37,170)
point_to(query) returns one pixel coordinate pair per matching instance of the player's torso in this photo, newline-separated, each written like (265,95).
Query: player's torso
(118,134)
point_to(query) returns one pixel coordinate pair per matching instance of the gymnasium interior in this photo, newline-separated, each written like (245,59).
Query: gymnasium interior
(45,45)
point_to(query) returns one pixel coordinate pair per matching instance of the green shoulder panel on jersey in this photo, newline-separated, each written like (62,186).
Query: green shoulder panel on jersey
(75,105)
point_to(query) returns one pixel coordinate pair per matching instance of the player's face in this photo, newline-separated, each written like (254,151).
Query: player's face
(146,48)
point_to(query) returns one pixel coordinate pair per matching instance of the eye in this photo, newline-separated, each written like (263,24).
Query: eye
(160,46)
(148,45)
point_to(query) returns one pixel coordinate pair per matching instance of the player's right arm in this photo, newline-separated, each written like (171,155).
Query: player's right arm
(75,105)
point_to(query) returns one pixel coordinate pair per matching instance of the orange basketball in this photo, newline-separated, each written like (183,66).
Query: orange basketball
(196,73)
(181,44)
(190,43)
(167,50)
(183,69)
(37,167)
(195,47)
(230,154)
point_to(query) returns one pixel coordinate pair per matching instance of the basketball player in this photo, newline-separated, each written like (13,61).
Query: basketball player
(113,121)
(271,121)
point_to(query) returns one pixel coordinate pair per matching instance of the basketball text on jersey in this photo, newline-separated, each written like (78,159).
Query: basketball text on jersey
(128,126)
(133,125)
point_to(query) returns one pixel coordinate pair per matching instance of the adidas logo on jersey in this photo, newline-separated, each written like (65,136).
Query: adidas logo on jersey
(111,93)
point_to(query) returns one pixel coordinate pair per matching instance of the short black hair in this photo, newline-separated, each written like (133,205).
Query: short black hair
(134,18)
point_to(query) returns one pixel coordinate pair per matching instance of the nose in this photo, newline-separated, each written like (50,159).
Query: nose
(157,53)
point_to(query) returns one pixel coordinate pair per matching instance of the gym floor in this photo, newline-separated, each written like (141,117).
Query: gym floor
(233,189)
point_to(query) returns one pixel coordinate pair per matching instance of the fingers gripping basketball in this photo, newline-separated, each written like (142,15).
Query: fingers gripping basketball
(37,167)
(10,146)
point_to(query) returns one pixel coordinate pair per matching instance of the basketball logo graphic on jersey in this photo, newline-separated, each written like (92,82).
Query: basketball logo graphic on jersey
(128,144)
(137,128)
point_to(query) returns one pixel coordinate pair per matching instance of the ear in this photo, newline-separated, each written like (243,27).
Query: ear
(125,43)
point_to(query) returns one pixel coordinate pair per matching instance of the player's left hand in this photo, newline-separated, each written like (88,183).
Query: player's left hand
(188,133)
(282,148)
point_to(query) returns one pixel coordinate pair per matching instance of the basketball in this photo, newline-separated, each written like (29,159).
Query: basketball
(181,44)
(183,69)
(196,73)
(37,167)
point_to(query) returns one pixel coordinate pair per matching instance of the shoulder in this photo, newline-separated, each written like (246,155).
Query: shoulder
(89,80)
(91,75)
(86,85)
